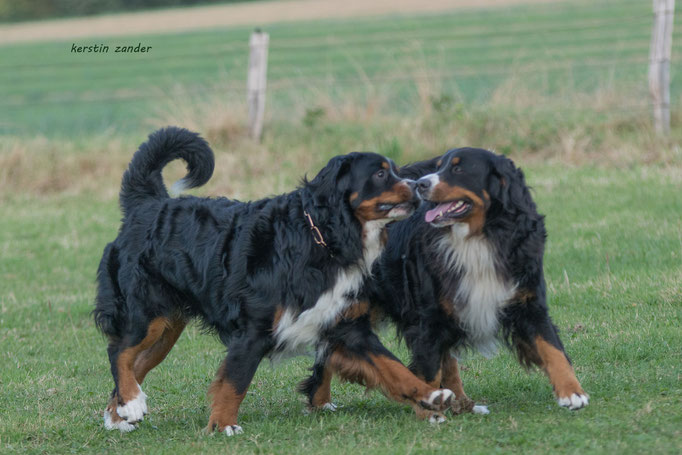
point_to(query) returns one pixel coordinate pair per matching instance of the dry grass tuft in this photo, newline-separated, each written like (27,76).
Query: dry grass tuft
(42,166)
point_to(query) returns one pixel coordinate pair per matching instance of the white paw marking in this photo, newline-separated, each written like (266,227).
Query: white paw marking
(437,418)
(329,407)
(232,430)
(134,410)
(122,426)
(480,409)
(573,402)
(443,394)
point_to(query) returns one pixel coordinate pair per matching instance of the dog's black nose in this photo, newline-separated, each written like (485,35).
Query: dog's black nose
(423,184)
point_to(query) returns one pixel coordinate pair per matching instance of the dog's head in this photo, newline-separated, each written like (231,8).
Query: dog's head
(468,182)
(369,184)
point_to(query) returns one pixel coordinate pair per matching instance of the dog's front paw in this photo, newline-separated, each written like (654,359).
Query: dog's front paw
(436,418)
(329,407)
(134,410)
(232,430)
(439,400)
(575,401)
(112,421)
(480,409)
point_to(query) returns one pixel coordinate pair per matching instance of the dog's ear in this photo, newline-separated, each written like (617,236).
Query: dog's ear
(507,185)
(332,181)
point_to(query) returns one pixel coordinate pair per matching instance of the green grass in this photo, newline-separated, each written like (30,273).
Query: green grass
(614,274)
(44,89)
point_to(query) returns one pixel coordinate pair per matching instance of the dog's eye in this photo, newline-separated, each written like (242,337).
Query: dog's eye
(380,175)
(456,170)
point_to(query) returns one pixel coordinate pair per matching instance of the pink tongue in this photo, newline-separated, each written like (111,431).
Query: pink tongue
(433,213)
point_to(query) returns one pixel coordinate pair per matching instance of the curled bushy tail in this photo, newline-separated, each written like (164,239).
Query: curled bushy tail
(143,178)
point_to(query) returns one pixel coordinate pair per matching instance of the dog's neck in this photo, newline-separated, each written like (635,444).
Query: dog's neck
(337,226)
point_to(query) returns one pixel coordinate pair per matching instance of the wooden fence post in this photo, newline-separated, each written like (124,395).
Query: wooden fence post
(257,78)
(659,63)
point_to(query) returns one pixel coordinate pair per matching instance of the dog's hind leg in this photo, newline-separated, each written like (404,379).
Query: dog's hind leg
(232,381)
(128,403)
(154,355)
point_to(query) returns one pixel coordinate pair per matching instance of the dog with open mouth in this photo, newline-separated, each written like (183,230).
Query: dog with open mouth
(466,272)
(271,277)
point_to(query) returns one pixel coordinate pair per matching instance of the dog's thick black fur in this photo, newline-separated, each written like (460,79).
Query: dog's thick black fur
(466,271)
(269,277)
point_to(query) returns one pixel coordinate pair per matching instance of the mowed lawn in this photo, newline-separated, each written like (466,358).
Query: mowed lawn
(613,266)
(555,49)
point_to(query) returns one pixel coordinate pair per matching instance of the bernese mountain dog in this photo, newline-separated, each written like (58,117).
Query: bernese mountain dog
(270,277)
(465,271)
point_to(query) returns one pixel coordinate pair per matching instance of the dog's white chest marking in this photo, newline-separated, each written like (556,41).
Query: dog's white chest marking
(295,332)
(481,291)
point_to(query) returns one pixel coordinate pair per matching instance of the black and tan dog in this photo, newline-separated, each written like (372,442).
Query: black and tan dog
(465,271)
(270,277)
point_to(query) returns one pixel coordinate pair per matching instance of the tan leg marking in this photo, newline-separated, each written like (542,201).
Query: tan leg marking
(224,404)
(128,388)
(323,394)
(127,384)
(151,357)
(392,378)
(451,380)
(560,372)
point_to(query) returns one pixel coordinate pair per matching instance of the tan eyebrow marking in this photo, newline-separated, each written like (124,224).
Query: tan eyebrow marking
(439,162)
(385,165)
(455,161)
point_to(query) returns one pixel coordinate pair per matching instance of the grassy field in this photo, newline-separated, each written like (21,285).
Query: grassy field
(556,49)
(559,88)
(614,278)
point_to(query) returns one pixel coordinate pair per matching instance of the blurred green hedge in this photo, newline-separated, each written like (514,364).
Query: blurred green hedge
(19,10)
